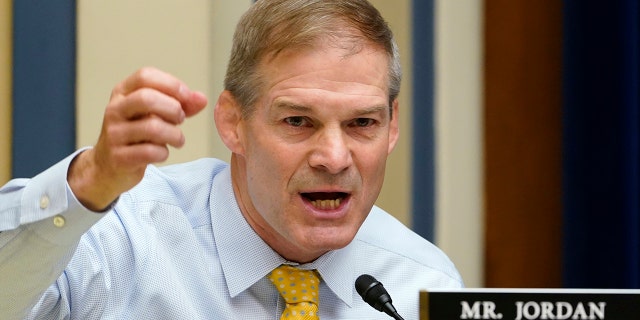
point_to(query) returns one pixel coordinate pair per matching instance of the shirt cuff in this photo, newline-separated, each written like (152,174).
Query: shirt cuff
(52,211)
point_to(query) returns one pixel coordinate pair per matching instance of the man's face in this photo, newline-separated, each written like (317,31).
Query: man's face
(313,152)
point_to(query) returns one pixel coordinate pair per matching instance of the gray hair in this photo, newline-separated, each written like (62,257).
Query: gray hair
(271,26)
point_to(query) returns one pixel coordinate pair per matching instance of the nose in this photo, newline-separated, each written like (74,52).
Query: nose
(331,152)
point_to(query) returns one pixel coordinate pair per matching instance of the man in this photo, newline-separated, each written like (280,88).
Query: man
(310,114)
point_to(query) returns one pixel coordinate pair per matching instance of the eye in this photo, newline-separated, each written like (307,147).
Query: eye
(296,121)
(363,122)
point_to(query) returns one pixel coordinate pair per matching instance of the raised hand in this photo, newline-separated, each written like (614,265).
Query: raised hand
(141,120)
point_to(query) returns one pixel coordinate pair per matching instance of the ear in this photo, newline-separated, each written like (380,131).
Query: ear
(394,130)
(228,118)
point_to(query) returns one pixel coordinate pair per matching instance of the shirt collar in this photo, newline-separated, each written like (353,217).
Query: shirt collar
(245,258)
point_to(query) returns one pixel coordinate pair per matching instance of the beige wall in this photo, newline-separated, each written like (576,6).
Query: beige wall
(5,90)
(458,113)
(192,39)
(396,192)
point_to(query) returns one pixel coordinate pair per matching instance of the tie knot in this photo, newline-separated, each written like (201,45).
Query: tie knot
(296,285)
(299,288)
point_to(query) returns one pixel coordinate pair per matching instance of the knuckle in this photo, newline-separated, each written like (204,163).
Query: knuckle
(150,127)
(144,96)
(154,153)
(111,131)
(155,127)
(163,154)
(113,137)
(115,92)
(144,73)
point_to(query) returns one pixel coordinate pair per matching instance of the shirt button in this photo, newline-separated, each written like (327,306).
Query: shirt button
(44,202)
(59,221)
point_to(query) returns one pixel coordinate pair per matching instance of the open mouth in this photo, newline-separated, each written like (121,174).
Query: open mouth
(325,200)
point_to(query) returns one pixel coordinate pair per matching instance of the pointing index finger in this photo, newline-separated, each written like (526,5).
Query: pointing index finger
(155,79)
(192,102)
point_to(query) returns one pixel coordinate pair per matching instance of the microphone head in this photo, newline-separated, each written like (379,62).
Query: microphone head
(364,282)
(372,292)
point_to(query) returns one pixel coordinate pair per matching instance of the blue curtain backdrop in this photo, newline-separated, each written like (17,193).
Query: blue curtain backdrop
(601,144)
(422,184)
(44,58)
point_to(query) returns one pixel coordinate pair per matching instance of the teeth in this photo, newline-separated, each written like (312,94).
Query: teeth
(326,204)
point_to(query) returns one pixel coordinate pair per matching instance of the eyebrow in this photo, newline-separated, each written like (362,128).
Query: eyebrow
(374,109)
(291,106)
(303,108)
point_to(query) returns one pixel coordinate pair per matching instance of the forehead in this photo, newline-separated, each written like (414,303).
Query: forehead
(346,67)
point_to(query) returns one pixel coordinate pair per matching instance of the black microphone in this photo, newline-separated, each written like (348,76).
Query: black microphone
(373,293)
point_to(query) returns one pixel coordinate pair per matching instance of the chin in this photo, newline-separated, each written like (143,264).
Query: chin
(330,241)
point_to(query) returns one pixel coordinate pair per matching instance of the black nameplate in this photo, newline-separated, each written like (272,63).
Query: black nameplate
(530,304)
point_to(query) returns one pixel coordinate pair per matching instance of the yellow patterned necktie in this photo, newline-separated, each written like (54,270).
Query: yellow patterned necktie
(299,288)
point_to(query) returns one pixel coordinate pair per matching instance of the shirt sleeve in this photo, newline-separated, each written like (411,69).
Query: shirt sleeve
(41,223)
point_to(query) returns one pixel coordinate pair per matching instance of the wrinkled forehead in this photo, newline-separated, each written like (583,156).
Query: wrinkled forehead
(325,54)
(326,75)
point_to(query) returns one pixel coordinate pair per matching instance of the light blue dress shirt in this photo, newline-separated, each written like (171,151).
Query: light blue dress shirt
(177,247)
